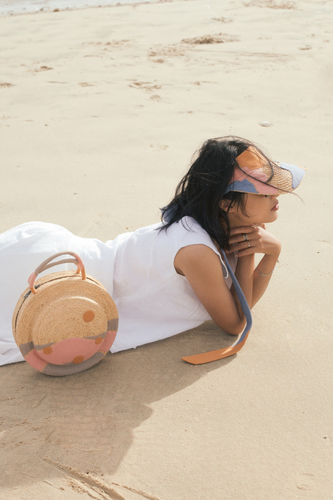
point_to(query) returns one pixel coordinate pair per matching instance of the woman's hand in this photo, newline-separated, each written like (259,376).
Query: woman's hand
(248,240)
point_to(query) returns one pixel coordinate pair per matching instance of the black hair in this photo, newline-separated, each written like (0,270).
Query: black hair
(203,187)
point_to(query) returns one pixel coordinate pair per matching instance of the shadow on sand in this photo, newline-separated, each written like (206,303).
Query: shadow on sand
(86,421)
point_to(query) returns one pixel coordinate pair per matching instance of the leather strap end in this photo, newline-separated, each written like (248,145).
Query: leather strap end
(207,357)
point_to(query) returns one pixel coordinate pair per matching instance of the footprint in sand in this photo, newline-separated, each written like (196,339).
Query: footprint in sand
(271,4)
(145,85)
(222,19)
(100,49)
(164,51)
(42,68)
(209,39)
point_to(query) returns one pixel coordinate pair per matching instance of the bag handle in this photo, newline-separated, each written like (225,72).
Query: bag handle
(45,265)
(199,359)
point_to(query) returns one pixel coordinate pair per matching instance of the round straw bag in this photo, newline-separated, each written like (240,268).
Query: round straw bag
(64,322)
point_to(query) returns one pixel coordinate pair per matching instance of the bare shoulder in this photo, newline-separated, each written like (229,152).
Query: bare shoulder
(196,257)
(202,268)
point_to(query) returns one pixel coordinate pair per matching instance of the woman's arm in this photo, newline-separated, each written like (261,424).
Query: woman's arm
(258,241)
(203,270)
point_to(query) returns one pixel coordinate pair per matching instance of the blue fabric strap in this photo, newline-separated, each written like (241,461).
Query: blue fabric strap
(199,359)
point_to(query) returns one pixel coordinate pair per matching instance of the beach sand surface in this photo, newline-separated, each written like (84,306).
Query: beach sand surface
(101,110)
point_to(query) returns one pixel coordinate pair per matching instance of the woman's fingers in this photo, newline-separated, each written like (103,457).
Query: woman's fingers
(248,240)
(244,247)
(244,240)
(243,234)
(249,250)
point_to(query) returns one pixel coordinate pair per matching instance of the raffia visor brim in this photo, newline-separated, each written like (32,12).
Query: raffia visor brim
(254,174)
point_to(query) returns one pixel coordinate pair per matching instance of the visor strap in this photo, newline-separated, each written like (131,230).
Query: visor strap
(199,359)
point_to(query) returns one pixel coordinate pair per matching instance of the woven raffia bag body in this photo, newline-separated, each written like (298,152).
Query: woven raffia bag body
(64,322)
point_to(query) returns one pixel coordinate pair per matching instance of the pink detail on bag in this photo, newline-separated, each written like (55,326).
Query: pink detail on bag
(66,350)
(73,350)
(35,360)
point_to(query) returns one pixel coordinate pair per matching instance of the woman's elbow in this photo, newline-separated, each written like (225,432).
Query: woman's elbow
(235,329)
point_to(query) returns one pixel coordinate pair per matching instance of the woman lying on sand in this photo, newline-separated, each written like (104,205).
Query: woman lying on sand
(169,277)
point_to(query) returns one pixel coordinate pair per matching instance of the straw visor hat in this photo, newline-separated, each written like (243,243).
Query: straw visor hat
(65,322)
(259,176)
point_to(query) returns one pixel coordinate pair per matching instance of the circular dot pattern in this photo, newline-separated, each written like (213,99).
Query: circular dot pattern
(88,316)
(78,359)
(47,350)
(98,340)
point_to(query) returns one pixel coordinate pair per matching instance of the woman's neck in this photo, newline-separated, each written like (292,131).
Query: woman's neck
(235,221)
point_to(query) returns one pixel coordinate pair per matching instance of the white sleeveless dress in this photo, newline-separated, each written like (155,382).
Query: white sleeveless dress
(137,269)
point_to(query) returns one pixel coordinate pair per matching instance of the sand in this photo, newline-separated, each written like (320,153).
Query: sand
(101,110)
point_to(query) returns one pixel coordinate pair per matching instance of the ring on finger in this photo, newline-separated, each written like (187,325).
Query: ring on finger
(248,244)
(245,236)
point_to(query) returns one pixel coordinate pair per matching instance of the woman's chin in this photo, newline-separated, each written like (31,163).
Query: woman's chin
(272,218)
(267,220)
